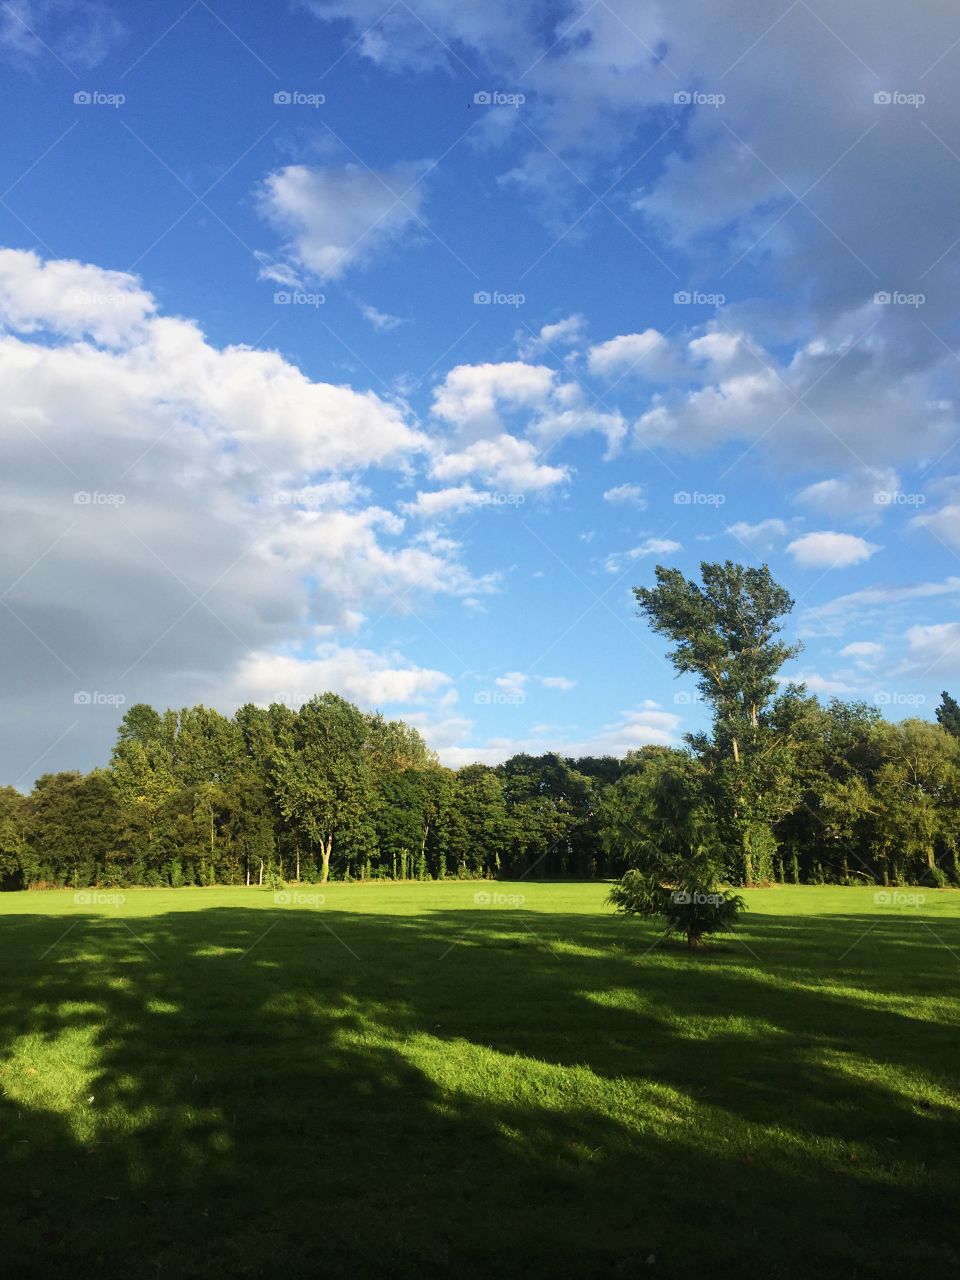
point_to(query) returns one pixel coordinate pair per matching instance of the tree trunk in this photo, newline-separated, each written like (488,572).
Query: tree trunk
(298,864)
(260,881)
(694,939)
(325,850)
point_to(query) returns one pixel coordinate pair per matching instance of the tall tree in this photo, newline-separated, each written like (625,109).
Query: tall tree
(725,632)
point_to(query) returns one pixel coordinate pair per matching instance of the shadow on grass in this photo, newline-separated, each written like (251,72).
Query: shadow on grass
(295,1092)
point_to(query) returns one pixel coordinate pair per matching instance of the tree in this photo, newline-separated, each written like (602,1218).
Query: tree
(948,714)
(663,821)
(323,783)
(725,632)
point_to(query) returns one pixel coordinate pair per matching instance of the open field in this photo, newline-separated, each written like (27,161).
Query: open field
(401,1081)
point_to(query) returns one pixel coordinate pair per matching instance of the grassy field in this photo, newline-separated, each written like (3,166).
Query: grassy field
(403,1081)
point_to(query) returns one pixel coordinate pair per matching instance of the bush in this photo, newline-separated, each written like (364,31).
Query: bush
(693,909)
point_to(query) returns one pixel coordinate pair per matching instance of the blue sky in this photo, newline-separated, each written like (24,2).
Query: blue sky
(384,348)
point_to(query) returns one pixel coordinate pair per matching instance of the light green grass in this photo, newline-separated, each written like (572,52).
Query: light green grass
(404,1082)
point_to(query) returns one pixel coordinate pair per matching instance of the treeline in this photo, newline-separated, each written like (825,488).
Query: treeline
(192,797)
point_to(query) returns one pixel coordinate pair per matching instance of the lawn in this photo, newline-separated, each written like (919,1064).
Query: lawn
(403,1081)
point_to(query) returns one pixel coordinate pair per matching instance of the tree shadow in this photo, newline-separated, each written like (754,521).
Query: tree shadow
(296,1092)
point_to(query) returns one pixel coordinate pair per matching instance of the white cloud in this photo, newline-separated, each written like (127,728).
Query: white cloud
(368,678)
(551,338)
(80,33)
(760,536)
(382,321)
(626,494)
(862,649)
(437,503)
(214,520)
(649,547)
(473,397)
(514,682)
(509,464)
(934,650)
(633,729)
(944,524)
(644,355)
(558,682)
(334,218)
(828,550)
(816,683)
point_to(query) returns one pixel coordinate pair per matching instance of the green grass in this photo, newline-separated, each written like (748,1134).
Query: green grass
(201,1083)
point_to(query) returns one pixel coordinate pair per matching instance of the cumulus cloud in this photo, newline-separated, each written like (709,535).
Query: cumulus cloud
(828,550)
(551,338)
(368,678)
(647,355)
(171,507)
(337,218)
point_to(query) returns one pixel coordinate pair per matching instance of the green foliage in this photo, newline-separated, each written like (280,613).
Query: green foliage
(663,820)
